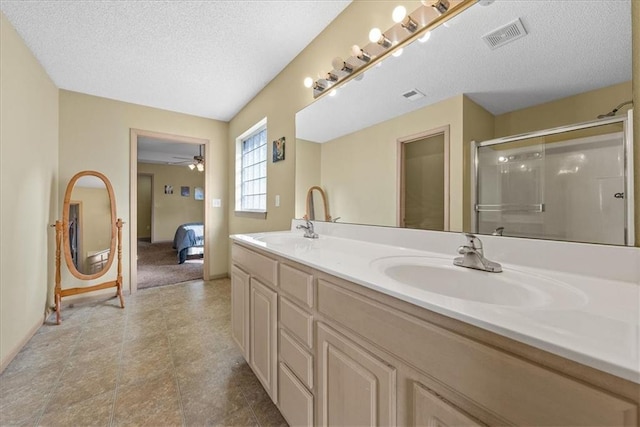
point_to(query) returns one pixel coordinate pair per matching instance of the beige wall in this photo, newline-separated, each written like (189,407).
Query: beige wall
(171,210)
(307,173)
(29,196)
(94,134)
(573,109)
(285,95)
(360,171)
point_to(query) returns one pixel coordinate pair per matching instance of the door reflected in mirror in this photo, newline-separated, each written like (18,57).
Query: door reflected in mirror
(347,144)
(89,225)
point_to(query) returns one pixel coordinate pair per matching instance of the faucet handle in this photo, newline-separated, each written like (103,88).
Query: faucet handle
(474,242)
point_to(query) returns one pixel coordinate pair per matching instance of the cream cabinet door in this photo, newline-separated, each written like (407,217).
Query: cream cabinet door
(240,310)
(429,410)
(354,387)
(264,341)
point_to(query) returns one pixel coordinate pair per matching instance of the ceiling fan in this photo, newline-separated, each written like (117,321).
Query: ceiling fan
(196,163)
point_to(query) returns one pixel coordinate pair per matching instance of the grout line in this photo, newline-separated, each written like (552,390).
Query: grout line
(112,415)
(62,371)
(173,369)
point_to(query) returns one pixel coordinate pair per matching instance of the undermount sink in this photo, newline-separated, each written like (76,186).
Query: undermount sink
(509,288)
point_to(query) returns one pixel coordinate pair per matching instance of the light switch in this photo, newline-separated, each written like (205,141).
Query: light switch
(277,200)
(216,203)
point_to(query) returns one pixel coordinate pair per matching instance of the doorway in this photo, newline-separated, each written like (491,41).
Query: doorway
(162,200)
(424,180)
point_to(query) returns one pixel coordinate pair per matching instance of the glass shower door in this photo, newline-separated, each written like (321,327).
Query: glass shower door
(567,184)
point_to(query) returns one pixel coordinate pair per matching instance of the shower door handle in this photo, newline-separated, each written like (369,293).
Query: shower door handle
(619,195)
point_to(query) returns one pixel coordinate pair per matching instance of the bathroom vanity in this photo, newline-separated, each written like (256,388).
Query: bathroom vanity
(375,326)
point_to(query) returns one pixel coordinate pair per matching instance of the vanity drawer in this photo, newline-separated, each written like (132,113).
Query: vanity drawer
(260,266)
(519,391)
(296,358)
(296,403)
(299,284)
(297,321)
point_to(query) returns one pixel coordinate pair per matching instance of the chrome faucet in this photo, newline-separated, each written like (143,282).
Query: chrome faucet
(473,256)
(308,230)
(498,231)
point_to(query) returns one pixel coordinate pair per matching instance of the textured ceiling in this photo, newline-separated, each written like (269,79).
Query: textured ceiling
(204,58)
(572,46)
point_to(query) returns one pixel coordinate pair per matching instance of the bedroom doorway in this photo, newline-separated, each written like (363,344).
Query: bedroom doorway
(167,199)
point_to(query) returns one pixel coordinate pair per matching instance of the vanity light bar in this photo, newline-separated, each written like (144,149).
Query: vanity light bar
(382,44)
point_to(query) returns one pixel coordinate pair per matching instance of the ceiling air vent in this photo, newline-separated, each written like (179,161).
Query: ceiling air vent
(413,94)
(506,34)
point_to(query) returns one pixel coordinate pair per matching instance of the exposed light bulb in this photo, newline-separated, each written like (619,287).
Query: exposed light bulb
(339,64)
(308,82)
(397,52)
(374,35)
(333,92)
(426,36)
(398,14)
(192,166)
(200,167)
(360,54)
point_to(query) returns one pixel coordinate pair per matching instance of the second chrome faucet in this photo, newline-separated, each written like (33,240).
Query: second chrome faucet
(473,256)
(308,230)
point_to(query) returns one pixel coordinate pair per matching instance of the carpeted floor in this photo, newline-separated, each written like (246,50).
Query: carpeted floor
(158,266)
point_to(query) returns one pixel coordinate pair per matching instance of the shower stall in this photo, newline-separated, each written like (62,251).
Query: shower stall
(571,183)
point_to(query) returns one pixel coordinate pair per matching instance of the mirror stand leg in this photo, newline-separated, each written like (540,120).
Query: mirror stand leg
(119,224)
(58,304)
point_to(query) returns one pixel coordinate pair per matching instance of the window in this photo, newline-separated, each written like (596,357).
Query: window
(251,170)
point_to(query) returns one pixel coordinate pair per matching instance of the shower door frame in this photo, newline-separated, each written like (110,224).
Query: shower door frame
(627,124)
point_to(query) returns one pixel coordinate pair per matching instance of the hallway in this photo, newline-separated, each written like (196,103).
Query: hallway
(166,359)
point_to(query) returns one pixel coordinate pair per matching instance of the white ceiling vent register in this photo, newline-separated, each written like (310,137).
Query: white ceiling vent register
(413,94)
(508,33)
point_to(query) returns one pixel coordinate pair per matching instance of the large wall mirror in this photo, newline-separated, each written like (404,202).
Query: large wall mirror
(571,64)
(89,235)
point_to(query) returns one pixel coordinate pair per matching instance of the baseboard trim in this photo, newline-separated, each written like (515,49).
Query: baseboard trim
(13,353)
(219,276)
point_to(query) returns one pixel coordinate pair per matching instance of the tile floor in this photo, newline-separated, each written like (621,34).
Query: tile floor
(167,359)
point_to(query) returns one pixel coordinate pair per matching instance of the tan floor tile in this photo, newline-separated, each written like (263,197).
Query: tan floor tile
(166,359)
(78,384)
(23,394)
(267,413)
(203,407)
(153,403)
(95,411)
(243,417)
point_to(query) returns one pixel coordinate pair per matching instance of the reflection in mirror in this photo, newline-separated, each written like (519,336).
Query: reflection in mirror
(89,221)
(89,225)
(565,185)
(317,206)
(561,73)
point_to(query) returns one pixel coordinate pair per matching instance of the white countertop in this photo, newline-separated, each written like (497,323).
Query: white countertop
(599,328)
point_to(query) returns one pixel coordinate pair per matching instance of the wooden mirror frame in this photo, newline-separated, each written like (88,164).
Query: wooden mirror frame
(327,217)
(65,226)
(62,234)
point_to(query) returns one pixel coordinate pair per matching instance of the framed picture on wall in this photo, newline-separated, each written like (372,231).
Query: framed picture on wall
(168,189)
(198,193)
(184,191)
(278,150)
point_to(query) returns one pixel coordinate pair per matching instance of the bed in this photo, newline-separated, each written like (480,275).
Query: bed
(189,240)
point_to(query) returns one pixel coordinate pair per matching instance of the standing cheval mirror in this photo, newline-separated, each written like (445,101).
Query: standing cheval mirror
(89,235)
